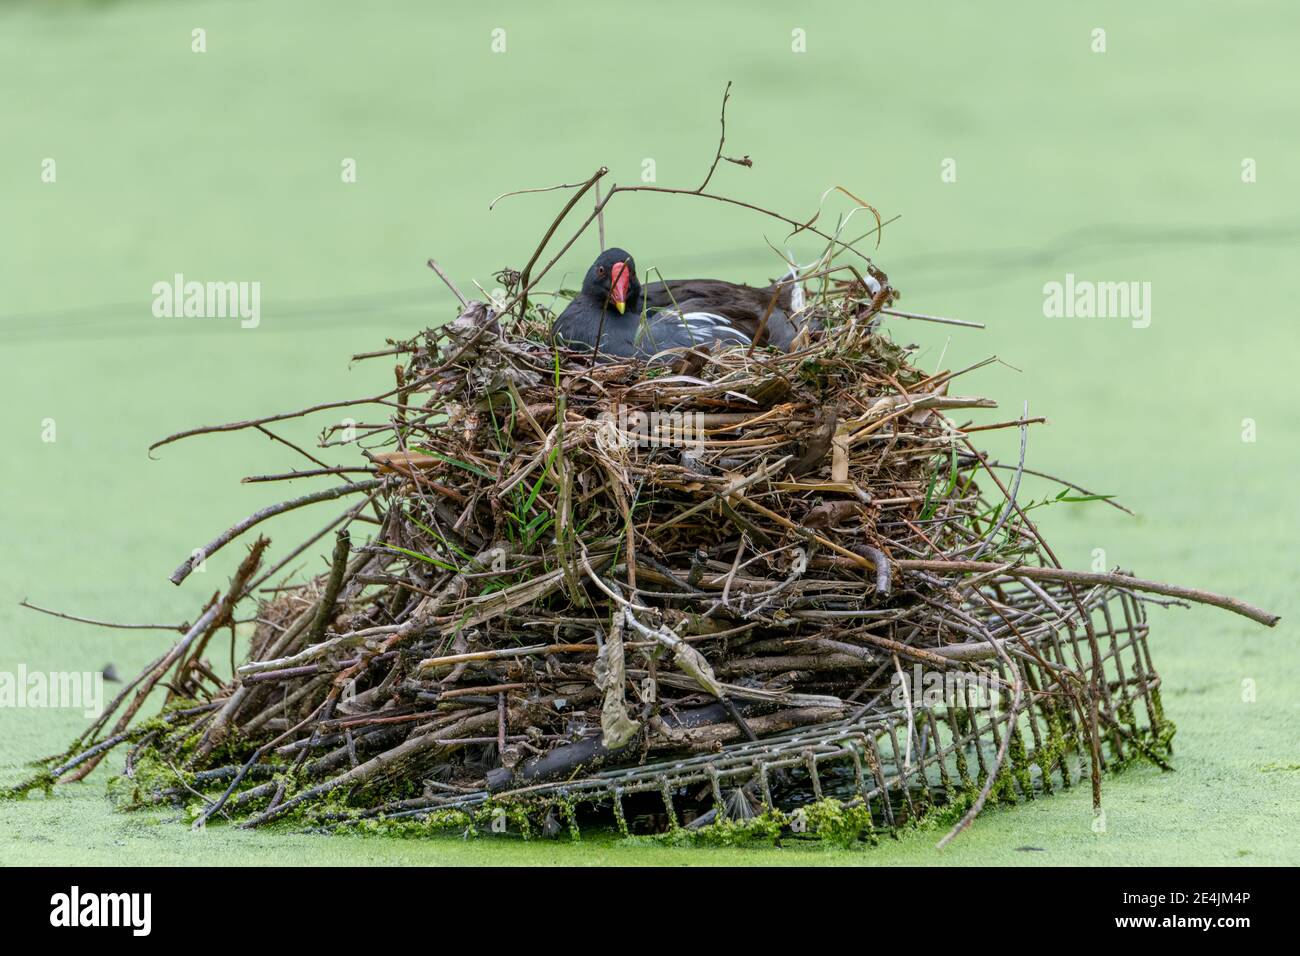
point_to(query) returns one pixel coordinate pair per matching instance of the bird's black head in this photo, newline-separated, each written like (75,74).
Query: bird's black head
(612,280)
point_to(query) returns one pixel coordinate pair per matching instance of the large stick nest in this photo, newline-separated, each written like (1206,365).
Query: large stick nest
(577,564)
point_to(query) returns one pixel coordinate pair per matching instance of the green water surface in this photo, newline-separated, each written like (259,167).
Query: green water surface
(1123,165)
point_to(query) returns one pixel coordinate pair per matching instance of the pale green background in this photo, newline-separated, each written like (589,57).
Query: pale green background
(1124,165)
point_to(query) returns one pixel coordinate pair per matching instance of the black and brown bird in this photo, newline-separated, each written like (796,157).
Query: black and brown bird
(616,315)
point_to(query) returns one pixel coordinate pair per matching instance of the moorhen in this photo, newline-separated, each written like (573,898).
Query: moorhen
(639,322)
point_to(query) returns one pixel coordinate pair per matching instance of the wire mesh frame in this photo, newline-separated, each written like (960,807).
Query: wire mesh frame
(901,763)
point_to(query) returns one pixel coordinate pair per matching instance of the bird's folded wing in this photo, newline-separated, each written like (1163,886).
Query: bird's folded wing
(669,329)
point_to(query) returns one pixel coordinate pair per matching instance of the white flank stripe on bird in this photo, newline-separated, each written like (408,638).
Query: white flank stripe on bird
(711,323)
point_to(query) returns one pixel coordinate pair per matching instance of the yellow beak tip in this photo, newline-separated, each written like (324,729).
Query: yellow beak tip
(620,306)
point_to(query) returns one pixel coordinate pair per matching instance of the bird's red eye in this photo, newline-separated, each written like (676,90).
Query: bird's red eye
(600,270)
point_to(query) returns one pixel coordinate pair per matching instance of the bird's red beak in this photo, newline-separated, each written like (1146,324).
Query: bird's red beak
(620,280)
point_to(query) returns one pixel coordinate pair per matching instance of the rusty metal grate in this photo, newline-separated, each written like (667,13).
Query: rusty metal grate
(902,763)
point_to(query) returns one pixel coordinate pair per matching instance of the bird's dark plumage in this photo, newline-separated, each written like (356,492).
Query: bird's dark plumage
(672,314)
(746,307)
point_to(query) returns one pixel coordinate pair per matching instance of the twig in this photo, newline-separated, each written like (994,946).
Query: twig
(309,473)
(283,416)
(325,610)
(288,444)
(933,318)
(182,628)
(524,276)
(433,264)
(722,138)
(1107,579)
(223,539)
